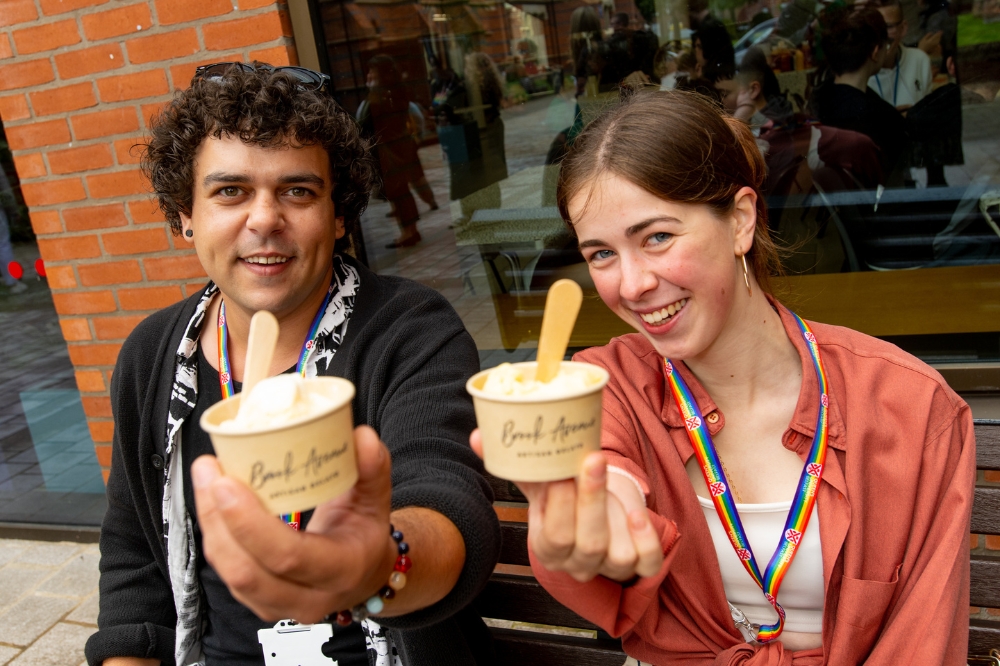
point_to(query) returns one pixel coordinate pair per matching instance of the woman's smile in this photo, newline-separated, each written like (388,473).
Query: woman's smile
(661,321)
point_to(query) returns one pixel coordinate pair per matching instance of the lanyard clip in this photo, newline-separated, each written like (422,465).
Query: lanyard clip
(747,629)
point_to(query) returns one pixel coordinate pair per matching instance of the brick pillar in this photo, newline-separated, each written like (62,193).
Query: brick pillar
(79,80)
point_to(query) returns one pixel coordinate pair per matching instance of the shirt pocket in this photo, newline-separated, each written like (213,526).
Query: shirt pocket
(863,603)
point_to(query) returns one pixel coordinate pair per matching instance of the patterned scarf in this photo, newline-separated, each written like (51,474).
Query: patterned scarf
(178,528)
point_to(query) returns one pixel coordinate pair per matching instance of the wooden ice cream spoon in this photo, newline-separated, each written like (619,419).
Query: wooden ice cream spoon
(562,305)
(260,351)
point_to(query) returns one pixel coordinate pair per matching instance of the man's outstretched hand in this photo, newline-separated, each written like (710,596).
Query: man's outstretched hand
(342,558)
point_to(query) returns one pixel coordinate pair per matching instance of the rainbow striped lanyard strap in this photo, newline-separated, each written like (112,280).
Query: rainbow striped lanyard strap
(226,375)
(722,497)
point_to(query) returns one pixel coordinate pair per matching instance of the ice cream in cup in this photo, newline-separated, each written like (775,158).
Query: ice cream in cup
(293,444)
(538,431)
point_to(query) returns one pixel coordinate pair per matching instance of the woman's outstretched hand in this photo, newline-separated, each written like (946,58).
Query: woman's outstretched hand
(596,524)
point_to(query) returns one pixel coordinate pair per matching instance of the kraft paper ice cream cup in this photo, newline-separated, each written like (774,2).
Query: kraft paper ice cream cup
(297,465)
(532,438)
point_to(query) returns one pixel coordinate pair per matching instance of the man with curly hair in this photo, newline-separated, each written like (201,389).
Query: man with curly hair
(260,169)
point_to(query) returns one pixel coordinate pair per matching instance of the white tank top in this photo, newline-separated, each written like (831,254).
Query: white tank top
(801,592)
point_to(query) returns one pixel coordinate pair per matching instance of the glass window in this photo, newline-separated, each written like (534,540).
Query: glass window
(48,468)
(883,175)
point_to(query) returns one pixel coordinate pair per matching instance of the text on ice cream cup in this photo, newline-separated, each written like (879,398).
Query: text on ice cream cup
(540,437)
(299,464)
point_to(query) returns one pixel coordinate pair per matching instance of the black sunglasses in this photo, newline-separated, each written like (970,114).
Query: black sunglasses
(306,78)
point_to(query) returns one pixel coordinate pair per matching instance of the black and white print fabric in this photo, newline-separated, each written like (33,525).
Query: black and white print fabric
(381,651)
(178,529)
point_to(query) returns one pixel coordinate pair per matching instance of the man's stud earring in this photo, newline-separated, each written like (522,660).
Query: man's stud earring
(189,233)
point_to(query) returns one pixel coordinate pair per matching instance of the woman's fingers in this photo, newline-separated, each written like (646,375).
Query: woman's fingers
(476,442)
(592,534)
(579,527)
(621,560)
(558,536)
(648,549)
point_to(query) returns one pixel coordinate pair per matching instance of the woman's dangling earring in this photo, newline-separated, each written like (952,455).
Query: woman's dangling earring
(746,276)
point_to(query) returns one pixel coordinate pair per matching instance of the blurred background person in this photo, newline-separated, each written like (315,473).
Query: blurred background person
(687,66)
(586,36)
(7,202)
(665,68)
(795,19)
(936,30)
(472,107)
(754,94)
(627,52)
(855,43)
(906,77)
(385,117)
(713,49)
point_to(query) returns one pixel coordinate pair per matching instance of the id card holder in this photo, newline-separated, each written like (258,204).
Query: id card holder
(289,643)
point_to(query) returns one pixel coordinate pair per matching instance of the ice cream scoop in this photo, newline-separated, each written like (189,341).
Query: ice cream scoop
(519,380)
(277,401)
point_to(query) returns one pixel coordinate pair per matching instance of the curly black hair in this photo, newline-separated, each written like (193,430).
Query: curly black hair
(263,107)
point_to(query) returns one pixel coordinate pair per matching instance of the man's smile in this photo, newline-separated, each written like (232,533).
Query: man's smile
(266,259)
(266,265)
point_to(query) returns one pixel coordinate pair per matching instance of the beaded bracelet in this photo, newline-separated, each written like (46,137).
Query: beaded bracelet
(397,581)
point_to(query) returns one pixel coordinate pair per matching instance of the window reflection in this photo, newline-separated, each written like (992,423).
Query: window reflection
(879,125)
(49,471)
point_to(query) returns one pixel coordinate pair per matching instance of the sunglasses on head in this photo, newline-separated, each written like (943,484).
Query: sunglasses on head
(306,78)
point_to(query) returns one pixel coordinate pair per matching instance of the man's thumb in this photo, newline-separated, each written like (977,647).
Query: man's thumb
(374,467)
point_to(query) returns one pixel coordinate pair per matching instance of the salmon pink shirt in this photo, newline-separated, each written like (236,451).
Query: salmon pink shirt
(894,506)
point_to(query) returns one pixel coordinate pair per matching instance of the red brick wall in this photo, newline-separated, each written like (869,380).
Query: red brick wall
(79,80)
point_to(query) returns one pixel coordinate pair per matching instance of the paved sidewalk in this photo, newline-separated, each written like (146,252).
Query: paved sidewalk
(48,602)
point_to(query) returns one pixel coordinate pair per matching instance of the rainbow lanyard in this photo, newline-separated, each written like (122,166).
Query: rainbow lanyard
(725,505)
(226,375)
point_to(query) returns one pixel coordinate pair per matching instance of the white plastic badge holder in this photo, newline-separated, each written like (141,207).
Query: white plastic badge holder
(291,644)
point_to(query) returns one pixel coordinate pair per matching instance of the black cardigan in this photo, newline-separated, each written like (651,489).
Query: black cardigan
(409,356)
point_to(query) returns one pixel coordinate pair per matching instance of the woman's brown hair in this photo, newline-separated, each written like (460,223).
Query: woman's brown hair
(678,146)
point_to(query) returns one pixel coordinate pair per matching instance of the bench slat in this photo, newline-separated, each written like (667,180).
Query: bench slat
(514,543)
(987,443)
(986,510)
(526,648)
(523,600)
(985,581)
(504,491)
(984,635)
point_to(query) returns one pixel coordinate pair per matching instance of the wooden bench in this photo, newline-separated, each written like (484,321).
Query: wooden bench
(514,595)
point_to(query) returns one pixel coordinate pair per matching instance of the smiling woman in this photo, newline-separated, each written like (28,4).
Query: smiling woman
(712,158)
(732,422)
